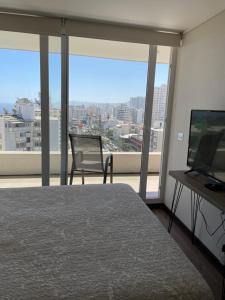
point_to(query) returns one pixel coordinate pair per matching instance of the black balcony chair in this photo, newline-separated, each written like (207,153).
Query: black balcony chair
(87,156)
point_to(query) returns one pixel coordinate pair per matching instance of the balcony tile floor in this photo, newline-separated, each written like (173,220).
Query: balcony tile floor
(30,181)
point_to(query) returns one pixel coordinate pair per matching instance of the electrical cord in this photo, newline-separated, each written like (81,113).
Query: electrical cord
(206,224)
(218,241)
(220,244)
(222,220)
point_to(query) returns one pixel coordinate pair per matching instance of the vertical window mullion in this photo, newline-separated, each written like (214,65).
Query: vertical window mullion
(64,107)
(44,69)
(147,120)
(170,94)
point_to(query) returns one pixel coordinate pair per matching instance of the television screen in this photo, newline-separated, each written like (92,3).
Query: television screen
(206,150)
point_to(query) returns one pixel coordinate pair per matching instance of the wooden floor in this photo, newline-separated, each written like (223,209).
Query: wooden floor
(206,264)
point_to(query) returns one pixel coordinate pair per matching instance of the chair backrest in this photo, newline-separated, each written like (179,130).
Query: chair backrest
(87,152)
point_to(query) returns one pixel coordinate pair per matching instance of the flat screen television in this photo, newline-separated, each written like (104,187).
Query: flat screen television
(206,147)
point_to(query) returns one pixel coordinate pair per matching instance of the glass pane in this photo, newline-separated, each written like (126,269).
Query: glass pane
(20,112)
(55,108)
(158,120)
(107,82)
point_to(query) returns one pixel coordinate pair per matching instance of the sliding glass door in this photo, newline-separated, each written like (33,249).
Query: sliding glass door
(21,131)
(158,121)
(20,110)
(87,86)
(54,108)
(107,87)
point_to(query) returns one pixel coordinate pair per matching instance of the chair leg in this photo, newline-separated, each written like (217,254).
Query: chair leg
(82,172)
(104,177)
(111,170)
(71,175)
(71,179)
(111,176)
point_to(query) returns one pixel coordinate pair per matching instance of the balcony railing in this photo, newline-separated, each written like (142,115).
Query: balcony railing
(29,163)
(23,169)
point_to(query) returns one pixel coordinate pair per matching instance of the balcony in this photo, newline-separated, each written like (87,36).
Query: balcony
(23,169)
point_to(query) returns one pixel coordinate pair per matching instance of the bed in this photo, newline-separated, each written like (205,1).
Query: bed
(89,242)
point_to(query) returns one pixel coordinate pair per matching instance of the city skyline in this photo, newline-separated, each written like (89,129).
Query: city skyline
(10,106)
(119,124)
(96,80)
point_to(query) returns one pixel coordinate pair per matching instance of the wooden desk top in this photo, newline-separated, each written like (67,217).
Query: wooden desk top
(195,182)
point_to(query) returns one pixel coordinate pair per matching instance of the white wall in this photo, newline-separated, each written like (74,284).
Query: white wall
(199,84)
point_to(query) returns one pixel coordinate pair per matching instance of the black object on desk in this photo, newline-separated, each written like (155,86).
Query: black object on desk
(214,186)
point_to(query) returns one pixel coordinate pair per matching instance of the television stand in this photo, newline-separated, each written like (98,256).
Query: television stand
(200,188)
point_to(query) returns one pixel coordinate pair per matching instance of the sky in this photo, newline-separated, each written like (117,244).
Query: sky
(90,79)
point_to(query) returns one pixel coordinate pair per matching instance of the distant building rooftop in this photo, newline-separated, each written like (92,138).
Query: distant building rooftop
(128,136)
(12,118)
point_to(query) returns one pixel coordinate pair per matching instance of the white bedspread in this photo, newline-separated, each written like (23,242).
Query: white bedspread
(89,242)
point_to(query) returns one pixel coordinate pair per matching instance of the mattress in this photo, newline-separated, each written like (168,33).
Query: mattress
(89,242)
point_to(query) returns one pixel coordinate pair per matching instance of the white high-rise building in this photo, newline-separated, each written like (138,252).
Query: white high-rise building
(25,109)
(159,103)
(140,116)
(77,113)
(54,127)
(21,131)
(123,113)
(137,102)
(156,139)
(15,133)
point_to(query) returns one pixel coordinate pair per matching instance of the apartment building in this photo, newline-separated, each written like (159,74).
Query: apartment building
(21,130)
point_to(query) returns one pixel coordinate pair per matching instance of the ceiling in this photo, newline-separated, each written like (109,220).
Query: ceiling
(179,15)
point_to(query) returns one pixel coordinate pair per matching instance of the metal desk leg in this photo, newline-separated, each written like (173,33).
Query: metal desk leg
(195,202)
(176,197)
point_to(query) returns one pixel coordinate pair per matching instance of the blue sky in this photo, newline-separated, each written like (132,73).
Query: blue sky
(91,79)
